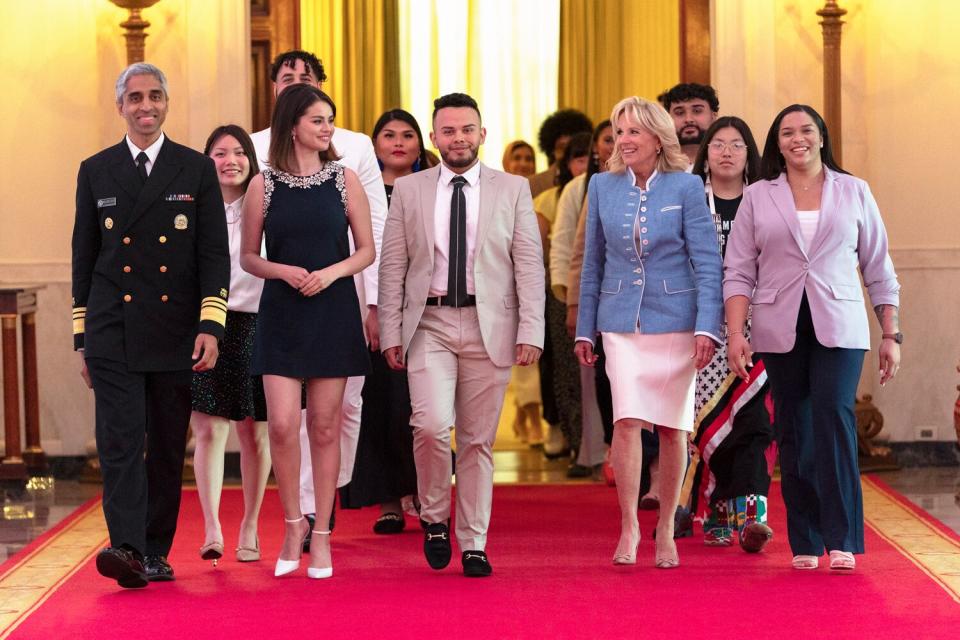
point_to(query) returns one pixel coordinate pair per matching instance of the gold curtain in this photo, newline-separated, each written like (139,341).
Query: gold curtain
(501,52)
(357,41)
(610,49)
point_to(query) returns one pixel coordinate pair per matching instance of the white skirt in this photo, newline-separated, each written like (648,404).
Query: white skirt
(652,377)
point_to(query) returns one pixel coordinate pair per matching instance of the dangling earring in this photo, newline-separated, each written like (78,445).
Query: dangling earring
(658,150)
(416,166)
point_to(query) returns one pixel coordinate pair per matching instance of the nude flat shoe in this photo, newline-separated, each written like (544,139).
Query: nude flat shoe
(842,561)
(248,554)
(805,562)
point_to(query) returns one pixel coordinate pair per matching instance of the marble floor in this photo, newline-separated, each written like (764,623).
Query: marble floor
(29,513)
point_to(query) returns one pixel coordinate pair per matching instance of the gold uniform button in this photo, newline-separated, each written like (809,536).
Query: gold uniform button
(163,239)
(164,298)
(127,298)
(126,239)
(163,269)
(127,269)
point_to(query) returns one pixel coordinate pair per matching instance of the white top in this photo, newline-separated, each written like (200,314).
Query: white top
(564,229)
(809,221)
(245,289)
(441,227)
(152,151)
(356,153)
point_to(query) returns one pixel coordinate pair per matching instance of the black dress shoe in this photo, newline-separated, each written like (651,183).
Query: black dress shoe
(436,545)
(389,523)
(123,566)
(579,471)
(311,520)
(475,564)
(157,568)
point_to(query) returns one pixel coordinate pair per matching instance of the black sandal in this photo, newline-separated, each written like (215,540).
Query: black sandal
(389,523)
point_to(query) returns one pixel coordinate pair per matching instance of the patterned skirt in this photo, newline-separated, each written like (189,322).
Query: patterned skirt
(228,390)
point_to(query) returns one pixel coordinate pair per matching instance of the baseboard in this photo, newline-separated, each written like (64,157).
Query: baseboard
(71,467)
(926,454)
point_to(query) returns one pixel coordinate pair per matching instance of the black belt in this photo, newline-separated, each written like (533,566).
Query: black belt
(445,301)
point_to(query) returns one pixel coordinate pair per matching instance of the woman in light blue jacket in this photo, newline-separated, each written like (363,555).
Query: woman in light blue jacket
(651,285)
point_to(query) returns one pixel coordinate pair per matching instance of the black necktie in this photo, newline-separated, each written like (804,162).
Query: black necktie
(457,258)
(142,166)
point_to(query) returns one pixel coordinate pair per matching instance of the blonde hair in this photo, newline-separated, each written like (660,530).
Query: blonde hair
(652,117)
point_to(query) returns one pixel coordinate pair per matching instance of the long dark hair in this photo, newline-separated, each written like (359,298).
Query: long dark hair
(246,144)
(407,117)
(578,147)
(593,165)
(752,168)
(292,103)
(772,163)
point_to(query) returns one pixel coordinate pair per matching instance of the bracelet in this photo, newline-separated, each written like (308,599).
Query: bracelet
(730,333)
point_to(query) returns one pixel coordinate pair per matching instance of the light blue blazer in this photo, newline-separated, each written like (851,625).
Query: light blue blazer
(667,281)
(766,261)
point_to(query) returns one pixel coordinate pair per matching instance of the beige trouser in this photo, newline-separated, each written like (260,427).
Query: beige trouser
(453,382)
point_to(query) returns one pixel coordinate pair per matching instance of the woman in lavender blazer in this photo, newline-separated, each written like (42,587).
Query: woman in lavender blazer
(801,234)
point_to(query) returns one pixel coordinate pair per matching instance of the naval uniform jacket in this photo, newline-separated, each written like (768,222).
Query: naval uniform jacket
(151,263)
(651,259)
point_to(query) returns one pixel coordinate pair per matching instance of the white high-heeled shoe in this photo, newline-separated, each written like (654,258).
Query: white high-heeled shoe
(318,573)
(287,566)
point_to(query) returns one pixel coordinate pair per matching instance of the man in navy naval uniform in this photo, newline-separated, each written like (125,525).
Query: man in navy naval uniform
(151,267)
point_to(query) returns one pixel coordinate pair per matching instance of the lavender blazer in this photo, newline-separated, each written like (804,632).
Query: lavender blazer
(766,262)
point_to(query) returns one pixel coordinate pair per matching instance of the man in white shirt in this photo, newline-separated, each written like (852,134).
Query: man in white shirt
(356,151)
(463,295)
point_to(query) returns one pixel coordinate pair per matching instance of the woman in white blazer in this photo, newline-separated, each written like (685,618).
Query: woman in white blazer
(801,234)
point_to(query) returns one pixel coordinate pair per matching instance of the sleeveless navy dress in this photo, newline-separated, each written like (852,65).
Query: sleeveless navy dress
(305,222)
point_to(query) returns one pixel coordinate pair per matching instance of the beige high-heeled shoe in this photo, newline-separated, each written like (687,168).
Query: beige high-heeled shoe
(212,551)
(666,559)
(626,557)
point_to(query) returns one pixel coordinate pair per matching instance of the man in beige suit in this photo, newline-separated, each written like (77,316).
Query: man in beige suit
(461,300)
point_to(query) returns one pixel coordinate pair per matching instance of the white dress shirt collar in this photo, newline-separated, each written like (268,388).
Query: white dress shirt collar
(152,151)
(472,174)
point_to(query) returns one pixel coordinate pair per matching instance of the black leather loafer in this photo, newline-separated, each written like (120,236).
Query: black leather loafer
(436,545)
(157,568)
(476,564)
(389,523)
(123,566)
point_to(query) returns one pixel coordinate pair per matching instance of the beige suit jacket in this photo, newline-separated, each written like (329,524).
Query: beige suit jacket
(508,263)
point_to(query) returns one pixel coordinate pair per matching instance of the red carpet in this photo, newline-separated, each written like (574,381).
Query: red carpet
(550,547)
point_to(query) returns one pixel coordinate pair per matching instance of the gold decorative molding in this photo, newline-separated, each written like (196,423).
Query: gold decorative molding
(135,27)
(832,32)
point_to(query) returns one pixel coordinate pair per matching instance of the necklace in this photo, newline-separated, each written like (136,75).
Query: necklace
(816,182)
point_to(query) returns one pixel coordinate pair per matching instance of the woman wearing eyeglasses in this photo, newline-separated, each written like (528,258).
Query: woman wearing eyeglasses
(733,431)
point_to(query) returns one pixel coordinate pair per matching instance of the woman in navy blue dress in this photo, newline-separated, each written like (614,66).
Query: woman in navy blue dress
(309,329)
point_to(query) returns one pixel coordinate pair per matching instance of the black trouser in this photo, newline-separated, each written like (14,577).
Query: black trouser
(814,390)
(739,463)
(141,495)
